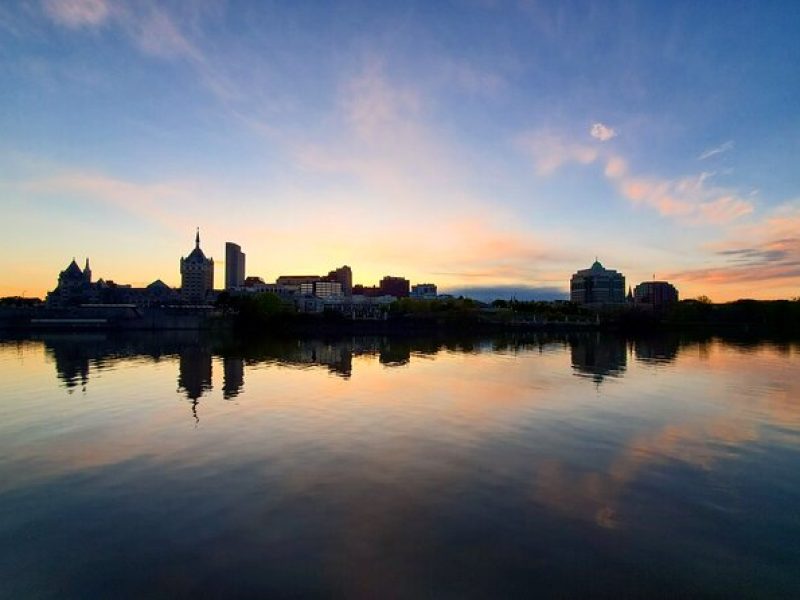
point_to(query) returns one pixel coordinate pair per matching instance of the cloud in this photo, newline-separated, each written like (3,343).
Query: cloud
(550,151)
(765,251)
(152,30)
(77,13)
(602,132)
(718,150)
(691,199)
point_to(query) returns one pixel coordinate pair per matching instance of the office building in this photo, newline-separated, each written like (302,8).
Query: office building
(234,266)
(424,291)
(343,275)
(655,293)
(597,285)
(394,286)
(197,275)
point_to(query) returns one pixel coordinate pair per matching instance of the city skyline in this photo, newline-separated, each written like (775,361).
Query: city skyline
(474,144)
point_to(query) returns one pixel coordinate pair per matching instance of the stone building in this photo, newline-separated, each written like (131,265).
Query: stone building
(197,275)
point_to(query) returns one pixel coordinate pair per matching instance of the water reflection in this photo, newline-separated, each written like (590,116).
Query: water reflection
(374,466)
(233,376)
(597,356)
(657,349)
(594,355)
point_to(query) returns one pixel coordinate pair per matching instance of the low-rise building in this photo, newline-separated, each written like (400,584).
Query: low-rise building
(655,293)
(424,291)
(394,286)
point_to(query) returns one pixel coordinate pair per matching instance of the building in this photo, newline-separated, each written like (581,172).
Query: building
(343,275)
(655,293)
(368,291)
(234,266)
(321,289)
(394,286)
(292,283)
(424,291)
(197,275)
(253,281)
(597,285)
(74,287)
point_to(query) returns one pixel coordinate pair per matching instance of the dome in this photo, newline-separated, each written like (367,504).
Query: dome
(597,266)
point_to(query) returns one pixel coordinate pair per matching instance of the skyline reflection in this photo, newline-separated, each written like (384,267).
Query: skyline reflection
(511,458)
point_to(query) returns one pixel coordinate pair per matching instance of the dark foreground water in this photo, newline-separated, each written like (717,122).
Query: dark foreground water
(171,465)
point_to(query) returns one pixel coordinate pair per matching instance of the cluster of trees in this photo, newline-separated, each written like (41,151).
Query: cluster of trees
(776,315)
(19,301)
(254,309)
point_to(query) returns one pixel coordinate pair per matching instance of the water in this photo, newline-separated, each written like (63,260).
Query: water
(176,465)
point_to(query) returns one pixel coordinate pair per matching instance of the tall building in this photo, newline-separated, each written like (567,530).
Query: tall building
(343,275)
(197,274)
(597,285)
(394,286)
(234,266)
(655,293)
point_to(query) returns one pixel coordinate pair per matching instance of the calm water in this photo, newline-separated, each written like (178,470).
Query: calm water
(174,465)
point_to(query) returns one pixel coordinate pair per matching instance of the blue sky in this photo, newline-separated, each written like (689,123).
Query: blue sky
(473,144)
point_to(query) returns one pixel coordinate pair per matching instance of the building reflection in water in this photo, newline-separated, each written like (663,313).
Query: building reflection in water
(598,356)
(232,376)
(594,355)
(656,350)
(194,374)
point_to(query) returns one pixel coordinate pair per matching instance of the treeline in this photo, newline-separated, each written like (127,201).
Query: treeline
(774,315)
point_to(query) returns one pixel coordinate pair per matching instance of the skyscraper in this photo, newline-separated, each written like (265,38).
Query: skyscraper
(234,266)
(197,274)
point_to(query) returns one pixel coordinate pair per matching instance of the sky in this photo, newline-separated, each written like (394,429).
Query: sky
(477,144)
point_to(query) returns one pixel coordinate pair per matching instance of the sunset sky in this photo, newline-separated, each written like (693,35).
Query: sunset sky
(474,144)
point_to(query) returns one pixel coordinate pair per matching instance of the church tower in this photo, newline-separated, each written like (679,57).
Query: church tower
(87,272)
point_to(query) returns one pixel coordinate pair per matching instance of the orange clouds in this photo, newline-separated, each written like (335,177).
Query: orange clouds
(764,251)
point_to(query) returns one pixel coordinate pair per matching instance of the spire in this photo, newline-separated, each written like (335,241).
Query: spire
(197,239)
(86,268)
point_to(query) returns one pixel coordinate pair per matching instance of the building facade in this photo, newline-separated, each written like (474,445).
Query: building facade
(394,286)
(234,266)
(74,287)
(197,275)
(322,289)
(655,293)
(424,291)
(597,285)
(343,275)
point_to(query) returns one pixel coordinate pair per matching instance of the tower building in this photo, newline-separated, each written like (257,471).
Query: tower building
(197,274)
(234,266)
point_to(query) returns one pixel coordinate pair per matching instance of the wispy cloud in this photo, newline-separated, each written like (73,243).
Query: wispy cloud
(691,199)
(602,132)
(718,150)
(550,151)
(77,13)
(152,29)
(767,251)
